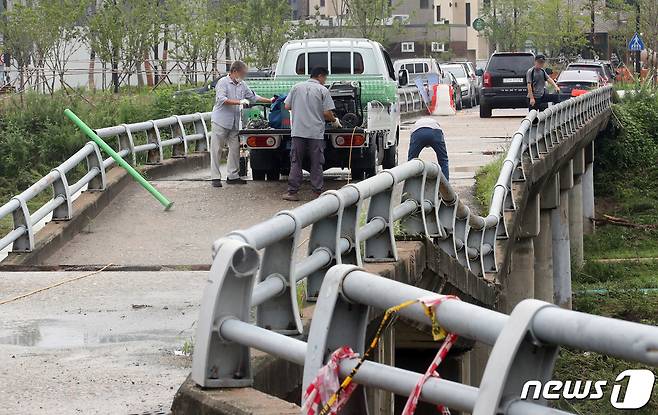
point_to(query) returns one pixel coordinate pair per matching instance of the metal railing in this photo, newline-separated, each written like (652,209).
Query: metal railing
(427,205)
(21,237)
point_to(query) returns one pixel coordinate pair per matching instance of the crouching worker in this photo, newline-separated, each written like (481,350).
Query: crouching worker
(311,106)
(231,93)
(427,133)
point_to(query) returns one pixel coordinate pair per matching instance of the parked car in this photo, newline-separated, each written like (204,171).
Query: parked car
(575,82)
(467,85)
(604,69)
(472,74)
(449,79)
(417,67)
(504,81)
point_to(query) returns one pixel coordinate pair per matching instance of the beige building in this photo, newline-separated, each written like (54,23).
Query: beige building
(429,27)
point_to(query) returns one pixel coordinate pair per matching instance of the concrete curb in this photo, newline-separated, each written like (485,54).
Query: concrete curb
(89,204)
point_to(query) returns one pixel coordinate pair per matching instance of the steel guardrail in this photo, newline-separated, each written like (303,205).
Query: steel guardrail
(259,266)
(21,237)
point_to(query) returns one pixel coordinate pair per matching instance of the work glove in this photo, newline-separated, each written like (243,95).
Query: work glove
(245,102)
(336,123)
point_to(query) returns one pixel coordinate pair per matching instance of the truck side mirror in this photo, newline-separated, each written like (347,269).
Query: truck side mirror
(479,72)
(403,77)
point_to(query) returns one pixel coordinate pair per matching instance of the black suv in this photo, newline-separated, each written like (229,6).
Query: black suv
(503,81)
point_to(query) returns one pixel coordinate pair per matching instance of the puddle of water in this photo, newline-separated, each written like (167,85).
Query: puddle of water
(55,334)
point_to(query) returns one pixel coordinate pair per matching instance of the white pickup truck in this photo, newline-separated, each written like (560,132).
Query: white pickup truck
(367,94)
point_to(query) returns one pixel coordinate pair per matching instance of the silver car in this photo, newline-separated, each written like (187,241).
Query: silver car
(467,84)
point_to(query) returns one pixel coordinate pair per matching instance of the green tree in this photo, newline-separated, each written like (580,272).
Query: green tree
(568,28)
(198,34)
(260,28)
(649,29)
(18,31)
(506,23)
(367,17)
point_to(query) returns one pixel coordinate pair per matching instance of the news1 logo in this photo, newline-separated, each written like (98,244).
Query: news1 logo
(637,394)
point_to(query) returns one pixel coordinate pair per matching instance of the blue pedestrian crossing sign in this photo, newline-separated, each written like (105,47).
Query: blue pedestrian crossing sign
(636,44)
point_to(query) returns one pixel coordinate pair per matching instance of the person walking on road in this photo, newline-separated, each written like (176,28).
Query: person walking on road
(231,92)
(426,132)
(311,106)
(536,78)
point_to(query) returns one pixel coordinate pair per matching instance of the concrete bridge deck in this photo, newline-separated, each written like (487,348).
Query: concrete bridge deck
(135,323)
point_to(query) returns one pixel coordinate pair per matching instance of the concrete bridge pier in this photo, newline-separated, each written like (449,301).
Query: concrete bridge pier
(576,210)
(543,242)
(588,190)
(560,240)
(520,281)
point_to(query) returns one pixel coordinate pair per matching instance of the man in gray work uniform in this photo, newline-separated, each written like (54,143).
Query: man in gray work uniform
(230,93)
(311,106)
(536,78)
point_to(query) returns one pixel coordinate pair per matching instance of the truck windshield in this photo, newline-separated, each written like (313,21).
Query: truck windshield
(340,62)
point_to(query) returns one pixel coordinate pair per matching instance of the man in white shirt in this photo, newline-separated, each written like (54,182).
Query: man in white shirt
(231,92)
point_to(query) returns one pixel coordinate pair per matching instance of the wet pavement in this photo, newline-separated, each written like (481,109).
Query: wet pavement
(116,342)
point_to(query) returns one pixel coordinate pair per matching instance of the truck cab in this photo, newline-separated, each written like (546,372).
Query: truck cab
(362,82)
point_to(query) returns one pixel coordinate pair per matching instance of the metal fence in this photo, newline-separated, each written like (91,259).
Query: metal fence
(241,277)
(186,133)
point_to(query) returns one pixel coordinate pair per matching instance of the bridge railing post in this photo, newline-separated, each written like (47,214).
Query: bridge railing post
(201,128)
(155,155)
(178,131)
(127,144)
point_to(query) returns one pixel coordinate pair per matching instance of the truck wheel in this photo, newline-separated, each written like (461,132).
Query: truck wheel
(459,104)
(485,111)
(468,103)
(258,175)
(273,175)
(390,157)
(361,173)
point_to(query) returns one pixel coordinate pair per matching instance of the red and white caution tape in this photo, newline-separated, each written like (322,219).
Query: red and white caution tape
(325,385)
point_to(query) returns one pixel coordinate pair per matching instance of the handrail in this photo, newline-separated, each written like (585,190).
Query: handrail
(189,133)
(260,266)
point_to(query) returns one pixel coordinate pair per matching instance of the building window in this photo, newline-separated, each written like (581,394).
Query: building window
(438,47)
(438,14)
(424,4)
(468,14)
(322,3)
(407,47)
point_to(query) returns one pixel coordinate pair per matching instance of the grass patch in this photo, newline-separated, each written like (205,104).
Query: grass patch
(485,181)
(627,178)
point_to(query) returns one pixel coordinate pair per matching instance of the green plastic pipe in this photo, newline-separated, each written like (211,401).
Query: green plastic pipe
(119,160)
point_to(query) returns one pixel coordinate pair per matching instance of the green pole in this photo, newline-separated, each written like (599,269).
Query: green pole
(120,161)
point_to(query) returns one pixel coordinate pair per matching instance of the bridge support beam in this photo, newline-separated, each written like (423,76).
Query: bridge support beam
(520,282)
(560,239)
(543,242)
(576,210)
(588,190)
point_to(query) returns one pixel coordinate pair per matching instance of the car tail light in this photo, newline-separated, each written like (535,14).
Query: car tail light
(577,92)
(355,140)
(261,141)
(486,80)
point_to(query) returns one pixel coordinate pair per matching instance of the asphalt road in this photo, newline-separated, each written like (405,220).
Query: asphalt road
(112,342)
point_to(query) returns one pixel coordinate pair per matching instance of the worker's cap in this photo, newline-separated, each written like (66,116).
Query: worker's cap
(540,57)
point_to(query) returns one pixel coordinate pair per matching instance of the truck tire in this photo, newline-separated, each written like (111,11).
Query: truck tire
(485,111)
(469,101)
(273,175)
(362,173)
(459,104)
(258,175)
(390,157)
